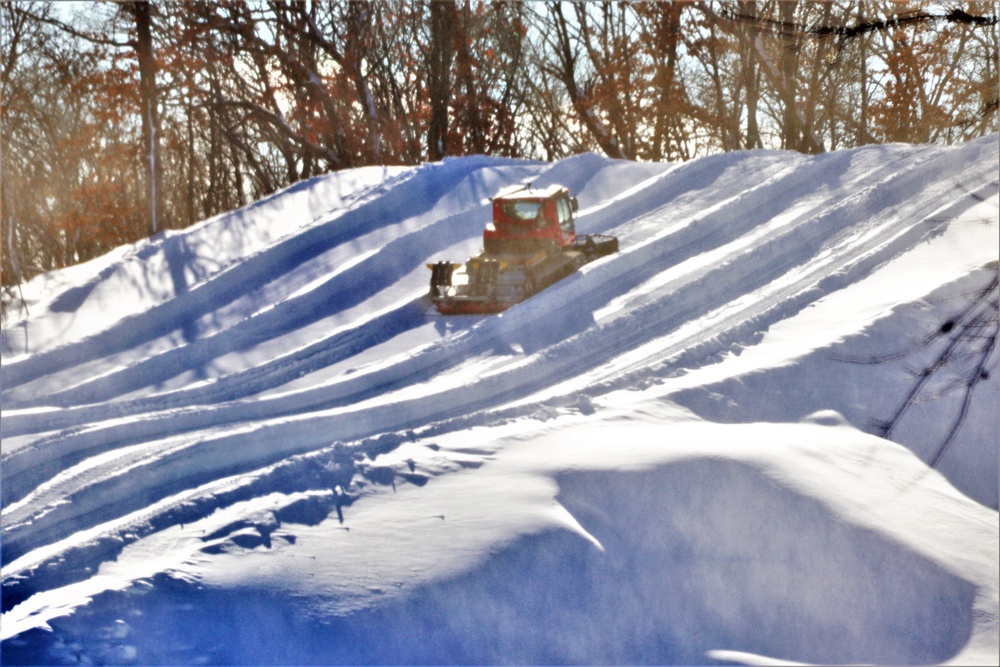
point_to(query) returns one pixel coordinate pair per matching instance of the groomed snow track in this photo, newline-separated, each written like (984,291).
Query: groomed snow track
(206,376)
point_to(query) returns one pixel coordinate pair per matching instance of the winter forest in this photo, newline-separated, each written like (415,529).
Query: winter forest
(735,400)
(123,119)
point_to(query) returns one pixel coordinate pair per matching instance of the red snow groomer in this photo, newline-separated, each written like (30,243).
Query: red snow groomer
(531,244)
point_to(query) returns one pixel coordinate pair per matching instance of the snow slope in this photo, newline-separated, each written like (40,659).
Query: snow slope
(252,442)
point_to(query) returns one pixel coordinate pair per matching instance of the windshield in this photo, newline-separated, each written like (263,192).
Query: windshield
(522,210)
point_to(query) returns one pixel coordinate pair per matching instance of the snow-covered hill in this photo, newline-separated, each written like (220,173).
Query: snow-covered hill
(252,441)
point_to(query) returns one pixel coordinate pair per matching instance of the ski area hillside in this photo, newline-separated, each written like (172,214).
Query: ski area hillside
(254,441)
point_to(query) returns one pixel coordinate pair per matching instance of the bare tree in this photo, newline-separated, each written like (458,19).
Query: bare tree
(143,45)
(233,99)
(443,23)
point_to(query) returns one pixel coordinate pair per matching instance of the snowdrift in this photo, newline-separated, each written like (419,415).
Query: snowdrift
(254,442)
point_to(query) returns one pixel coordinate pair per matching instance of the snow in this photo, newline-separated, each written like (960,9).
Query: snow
(254,442)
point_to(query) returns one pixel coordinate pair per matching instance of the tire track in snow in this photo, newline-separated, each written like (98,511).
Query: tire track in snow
(394,260)
(772,302)
(75,300)
(339,345)
(429,184)
(894,225)
(691,325)
(754,268)
(652,260)
(356,285)
(27,467)
(248,382)
(341,291)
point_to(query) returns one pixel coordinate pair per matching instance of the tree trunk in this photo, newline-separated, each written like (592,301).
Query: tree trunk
(668,26)
(750,74)
(788,65)
(443,20)
(150,117)
(473,123)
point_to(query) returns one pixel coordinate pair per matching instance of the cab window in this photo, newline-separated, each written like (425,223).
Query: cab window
(522,210)
(565,216)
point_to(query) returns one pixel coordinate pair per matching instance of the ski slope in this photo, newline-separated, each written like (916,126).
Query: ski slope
(253,441)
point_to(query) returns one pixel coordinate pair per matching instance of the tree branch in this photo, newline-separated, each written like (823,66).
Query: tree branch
(91,37)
